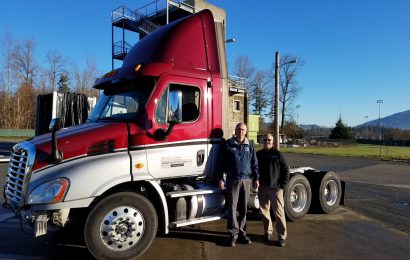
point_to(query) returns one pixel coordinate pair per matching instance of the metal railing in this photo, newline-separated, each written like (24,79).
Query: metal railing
(123,12)
(151,8)
(148,27)
(136,16)
(160,5)
(121,47)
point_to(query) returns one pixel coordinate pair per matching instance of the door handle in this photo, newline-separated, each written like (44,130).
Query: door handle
(200,157)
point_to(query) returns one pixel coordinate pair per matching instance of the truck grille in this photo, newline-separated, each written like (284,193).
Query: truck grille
(20,165)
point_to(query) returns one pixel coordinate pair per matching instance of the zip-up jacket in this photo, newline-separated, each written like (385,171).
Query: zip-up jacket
(239,160)
(273,170)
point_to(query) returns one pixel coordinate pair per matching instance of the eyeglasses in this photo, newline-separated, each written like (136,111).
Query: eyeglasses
(267,140)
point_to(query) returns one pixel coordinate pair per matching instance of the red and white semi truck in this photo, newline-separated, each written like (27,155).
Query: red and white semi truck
(145,160)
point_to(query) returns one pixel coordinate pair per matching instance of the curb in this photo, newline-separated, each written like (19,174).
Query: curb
(4,159)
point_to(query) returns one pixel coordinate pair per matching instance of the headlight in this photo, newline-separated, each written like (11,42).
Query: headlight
(49,192)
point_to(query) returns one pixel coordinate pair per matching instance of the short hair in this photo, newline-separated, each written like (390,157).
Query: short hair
(241,124)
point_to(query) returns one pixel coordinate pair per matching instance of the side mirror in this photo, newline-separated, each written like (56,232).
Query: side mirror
(55,125)
(55,156)
(175,106)
(162,134)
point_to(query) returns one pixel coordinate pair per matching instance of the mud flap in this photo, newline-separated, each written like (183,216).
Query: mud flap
(40,225)
(342,198)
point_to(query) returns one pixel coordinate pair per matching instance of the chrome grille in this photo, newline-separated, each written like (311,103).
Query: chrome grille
(21,163)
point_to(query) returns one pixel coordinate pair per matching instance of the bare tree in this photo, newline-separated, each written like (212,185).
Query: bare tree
(7,47)
(23,62)
(24,68)
(289,86)
(258,95)
(56,66)
(26,97)
(243,68)
(84,80)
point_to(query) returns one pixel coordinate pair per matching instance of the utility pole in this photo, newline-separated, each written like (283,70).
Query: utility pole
(276,101)
(380,101)
(276,105)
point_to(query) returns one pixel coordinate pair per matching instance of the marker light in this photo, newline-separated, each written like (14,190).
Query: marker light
(139,165)
(137,68)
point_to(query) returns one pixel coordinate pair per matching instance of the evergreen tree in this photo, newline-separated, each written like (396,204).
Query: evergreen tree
(63,84)
(341,131)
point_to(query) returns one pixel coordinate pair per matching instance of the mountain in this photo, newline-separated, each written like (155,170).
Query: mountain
(311,127)
(399,120)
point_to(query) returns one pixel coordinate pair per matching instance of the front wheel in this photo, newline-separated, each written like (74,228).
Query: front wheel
(297,197)
(121,226)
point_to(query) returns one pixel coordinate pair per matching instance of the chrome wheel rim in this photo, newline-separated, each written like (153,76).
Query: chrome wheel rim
(298,197)
(122,228)
(330,192)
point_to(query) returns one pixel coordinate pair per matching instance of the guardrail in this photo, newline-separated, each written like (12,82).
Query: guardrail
(17,132)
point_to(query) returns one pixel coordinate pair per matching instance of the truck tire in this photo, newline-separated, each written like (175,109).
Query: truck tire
(121,226)
(327,191)
(297,197)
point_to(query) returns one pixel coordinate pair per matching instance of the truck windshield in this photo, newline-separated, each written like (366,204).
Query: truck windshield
(122,101)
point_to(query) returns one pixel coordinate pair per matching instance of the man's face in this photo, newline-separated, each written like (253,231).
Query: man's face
(240,132)
(268,142)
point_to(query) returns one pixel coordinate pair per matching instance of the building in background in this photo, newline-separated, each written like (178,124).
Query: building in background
(253,128)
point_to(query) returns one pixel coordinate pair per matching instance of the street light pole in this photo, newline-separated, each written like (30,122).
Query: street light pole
(276,105)
(380,101)
(297,115)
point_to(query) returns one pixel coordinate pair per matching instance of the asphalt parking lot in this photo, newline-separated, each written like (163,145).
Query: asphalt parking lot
(341,235)
(376,193)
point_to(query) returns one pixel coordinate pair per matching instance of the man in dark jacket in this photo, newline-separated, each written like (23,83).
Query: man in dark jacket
(274,175)
(241,167)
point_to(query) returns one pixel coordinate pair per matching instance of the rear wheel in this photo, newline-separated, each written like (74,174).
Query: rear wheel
(297,197)
(121,226)
(327,192)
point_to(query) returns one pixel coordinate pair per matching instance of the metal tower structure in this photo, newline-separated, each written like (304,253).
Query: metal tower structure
(136,24)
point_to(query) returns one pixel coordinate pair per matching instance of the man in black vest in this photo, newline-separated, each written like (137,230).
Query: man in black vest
(274,175)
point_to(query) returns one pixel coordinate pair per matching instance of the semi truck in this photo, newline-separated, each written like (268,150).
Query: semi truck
(147,157)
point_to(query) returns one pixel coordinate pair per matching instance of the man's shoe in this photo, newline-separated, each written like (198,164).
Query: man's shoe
(282,242)
(245,240)
(233,242)
(266,237)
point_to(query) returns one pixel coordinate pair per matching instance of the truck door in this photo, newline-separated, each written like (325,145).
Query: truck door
(185,149)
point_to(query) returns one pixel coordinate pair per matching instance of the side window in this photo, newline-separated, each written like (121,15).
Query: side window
(191,100)
(121,104)
(161,112)
(191,97)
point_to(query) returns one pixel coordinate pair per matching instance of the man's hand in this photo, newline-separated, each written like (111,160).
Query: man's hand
(256,184)
(221,184)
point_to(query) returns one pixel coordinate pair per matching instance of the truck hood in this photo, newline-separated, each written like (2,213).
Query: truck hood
(87,139)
